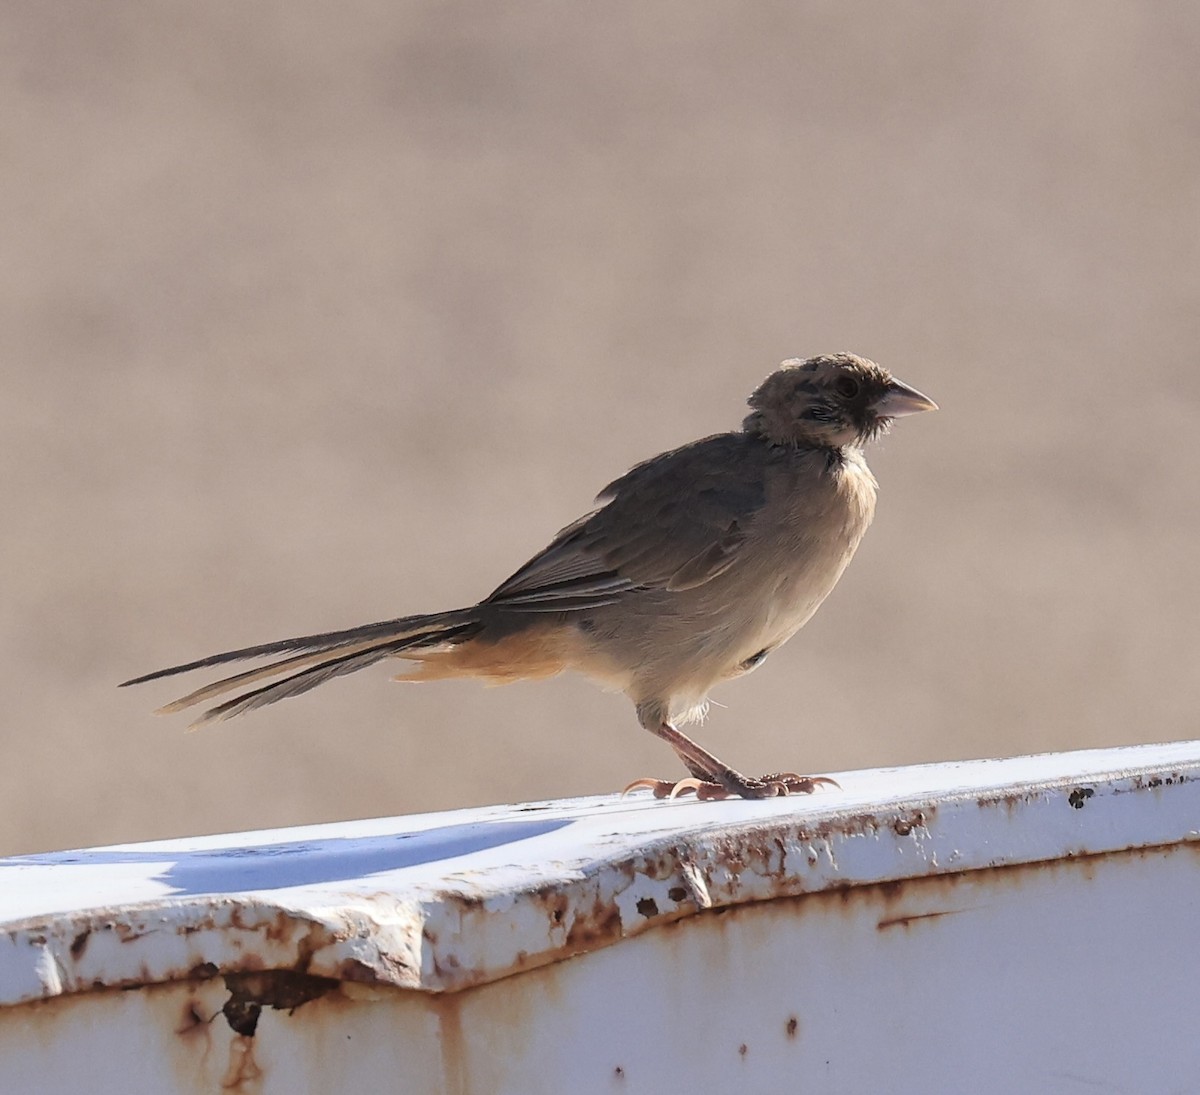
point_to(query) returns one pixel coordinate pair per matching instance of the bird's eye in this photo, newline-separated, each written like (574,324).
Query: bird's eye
(846,387)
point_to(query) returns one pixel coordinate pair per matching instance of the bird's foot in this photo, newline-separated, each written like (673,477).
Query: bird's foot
(772,786)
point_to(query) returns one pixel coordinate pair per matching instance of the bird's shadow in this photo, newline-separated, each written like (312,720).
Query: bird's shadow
(284,864)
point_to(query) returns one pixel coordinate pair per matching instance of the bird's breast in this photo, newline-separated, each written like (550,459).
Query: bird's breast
(813,543)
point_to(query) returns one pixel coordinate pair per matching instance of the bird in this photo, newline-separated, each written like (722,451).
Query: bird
(691,569)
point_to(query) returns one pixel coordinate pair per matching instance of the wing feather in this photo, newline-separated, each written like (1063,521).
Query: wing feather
(673,522)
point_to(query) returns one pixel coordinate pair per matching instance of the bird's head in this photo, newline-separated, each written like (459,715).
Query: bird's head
(831,401)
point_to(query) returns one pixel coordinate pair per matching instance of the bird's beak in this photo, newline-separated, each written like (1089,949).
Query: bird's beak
(900,399)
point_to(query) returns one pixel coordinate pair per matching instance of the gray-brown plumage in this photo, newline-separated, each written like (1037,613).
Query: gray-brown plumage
(696,565)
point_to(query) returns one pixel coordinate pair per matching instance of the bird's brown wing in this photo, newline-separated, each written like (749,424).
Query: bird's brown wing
(673,522)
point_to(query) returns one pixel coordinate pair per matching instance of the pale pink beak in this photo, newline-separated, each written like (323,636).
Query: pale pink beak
(900,400)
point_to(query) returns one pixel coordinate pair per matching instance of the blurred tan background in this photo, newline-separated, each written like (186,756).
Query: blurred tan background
(312,315)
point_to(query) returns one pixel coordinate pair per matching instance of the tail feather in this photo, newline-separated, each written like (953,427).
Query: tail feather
(295,685)
(228,684)
(334,653)
(326,641)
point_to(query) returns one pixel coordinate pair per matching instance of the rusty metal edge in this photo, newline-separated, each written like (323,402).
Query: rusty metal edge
(458,937)
(716,869)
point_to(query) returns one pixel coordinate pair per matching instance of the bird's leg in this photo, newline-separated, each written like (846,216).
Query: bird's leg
(696,770)
(713,779)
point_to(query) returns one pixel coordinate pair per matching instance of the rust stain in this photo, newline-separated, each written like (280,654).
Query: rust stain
(1079,796)
(453,1043)
(279,927)
(792,1027)
(242,1016)
(195,1035)
(251,928)
(364,973)
(905,921)
(598,926)
(248,994)
(243,1069)
(557,906)
(1141,782)
(191,1018)
(192,1021)
(1011,801)
(284,990)
(906,823)
(657,866)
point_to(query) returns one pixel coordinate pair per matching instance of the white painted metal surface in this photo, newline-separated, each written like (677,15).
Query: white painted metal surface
(993,926)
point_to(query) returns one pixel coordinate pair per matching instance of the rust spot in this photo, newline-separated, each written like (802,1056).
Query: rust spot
(557,907)
(593,929)
(619,1072)
(279,927)
(79,943)
(743,1049)
(1140,781)
(678,894)
(1079,796)
(285,990)
(904,825)
(202,971)
(659,867)
(242,1015)
(647,906)
(1011,801)
(792,1026)
(126,933)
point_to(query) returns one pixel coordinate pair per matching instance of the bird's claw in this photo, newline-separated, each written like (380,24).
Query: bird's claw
(772,786)
(792,784)
(662,788)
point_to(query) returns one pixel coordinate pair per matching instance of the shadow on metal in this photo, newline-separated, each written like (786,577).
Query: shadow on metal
(284,864)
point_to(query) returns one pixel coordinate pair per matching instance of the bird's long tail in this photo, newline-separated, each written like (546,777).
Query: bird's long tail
(315,659)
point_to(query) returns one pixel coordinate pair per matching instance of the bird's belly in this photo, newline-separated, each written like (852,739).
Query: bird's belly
(779,618)
(793,602)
